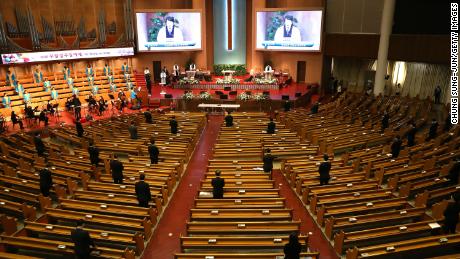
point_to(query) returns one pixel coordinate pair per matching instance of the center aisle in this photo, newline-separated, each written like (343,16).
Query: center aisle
(162,244)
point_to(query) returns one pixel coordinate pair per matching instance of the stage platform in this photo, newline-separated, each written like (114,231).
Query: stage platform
(273,90)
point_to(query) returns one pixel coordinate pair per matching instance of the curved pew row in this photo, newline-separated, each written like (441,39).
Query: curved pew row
(110,211)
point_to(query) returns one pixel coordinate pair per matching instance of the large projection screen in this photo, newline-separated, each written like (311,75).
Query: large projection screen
(168,30)
(289,30)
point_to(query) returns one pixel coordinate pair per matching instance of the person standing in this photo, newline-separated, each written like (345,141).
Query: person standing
(148,116)
(143,193)
(268,162)
(79,128)
(173,124)
(133,131)
(385,121)
(287,106)
(116,167)
(153,152)
(396,147)
(218,186)
(148,80)
(324,169)
(39,145)
(314,109)
(229,120)
(46,181)
(77,106)
(293,248)
(93,153)
(433,129)
(451,215)
(271,127)
(437,95)
(83,243)
(411,135)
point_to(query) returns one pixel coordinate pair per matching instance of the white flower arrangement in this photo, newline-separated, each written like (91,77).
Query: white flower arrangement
(260,97)
(187,81)
(244,97)
(227,81)
(263,81)
(205,96)
(188,96)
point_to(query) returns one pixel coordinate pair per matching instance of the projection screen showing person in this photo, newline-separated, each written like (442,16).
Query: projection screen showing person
(168,31)
(289,30)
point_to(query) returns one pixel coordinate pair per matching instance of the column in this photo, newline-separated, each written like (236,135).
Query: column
(385,32)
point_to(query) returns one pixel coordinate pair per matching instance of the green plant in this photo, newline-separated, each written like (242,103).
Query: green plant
(158,22)
(240,69)
(275,22)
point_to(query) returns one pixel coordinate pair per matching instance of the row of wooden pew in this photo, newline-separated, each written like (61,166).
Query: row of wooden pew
(252,220)
(375,205)
(40,226)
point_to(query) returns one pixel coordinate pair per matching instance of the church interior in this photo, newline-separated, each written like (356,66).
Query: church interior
(229,129)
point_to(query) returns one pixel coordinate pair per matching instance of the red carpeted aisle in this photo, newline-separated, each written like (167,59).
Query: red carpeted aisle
(163,245)
(317,242)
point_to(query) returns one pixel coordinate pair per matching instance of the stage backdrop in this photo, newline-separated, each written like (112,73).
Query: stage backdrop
(222,55)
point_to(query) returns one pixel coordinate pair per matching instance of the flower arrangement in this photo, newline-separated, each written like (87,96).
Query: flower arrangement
(227,81)
(187,81)
(205,96)
(188,96)
(263,81)
(244,97)
(260,97)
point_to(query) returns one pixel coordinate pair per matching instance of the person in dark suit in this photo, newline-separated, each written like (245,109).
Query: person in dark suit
(218,186)
(148,116)
(16,120)
(385,121)
(268,162)
(314,109)
(79,128)
(93,153)
(287,106)
(46,181)
(173,124)
(153,152)
(229,120)
(454,172)
(77,107)
(116,167)
(132,131)
(437,95)
(396,147)
(451,214)
(143,192)
(293,248)
(39,145)
(43,117)
(271,127)
(324,169)
(83,243)
(411,135)
(433,129)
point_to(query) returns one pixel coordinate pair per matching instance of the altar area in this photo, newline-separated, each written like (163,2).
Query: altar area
(232,82)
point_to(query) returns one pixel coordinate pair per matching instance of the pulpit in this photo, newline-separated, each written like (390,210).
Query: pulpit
(228,74)
(190,74)
(268,74)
